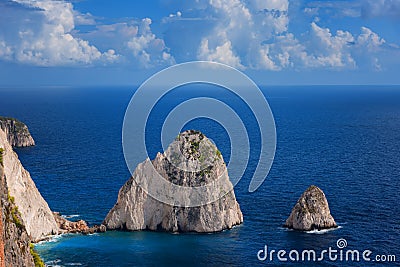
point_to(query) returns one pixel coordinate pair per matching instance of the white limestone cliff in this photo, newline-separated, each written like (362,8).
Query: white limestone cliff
(35,212)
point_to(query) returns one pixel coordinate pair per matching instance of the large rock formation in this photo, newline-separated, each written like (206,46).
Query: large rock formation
(311,212)
(17,132)
(35,212)
(203,164)
(14,240)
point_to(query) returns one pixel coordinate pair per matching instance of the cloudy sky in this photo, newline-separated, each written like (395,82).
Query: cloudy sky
(102,42)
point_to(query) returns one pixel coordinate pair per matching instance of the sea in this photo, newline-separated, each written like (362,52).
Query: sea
(344,139)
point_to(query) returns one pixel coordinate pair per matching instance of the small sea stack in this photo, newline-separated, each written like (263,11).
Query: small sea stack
(311,212)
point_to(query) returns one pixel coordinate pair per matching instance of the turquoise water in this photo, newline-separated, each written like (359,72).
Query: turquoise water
(346,140)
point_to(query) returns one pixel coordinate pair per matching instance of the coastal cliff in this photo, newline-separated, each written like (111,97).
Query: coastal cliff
(136,210)
(311,212)
(14,240)
(17,132)
(35,212)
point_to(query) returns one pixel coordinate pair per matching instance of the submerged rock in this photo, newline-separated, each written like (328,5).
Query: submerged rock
(311,212)
(17,132)
(190,161)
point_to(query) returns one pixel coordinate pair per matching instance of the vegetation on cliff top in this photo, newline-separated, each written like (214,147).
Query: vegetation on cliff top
(18,124)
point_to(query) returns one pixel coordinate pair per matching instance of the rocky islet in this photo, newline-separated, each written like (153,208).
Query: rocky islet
(311,212)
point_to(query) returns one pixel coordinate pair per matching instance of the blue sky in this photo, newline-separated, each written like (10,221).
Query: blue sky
(102,42)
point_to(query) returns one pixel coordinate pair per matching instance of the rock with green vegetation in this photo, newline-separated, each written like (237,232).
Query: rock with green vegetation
(311,212)
(191,160)
(17,132)
(36,258)
(14,239)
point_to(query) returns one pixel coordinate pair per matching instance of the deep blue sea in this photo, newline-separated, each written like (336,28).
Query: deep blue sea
(344,139)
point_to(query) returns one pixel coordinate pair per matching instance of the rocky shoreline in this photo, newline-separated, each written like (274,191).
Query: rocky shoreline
(78,227)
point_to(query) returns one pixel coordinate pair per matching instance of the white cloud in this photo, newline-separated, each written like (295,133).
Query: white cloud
(177,15)
(265,61)
(255,34)
(44,33)
(49,40)
(222,54)
(135,41)
(311,11)
(252,34)
(369,39)
(239,30)
(83,19)
(331,50)
(147,48)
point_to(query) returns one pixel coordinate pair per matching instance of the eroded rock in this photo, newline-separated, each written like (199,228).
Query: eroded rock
(311,212)
(190,161)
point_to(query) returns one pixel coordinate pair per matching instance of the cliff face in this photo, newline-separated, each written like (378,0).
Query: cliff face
(311,212)
(14,240)
(35,212)
(136,210)
(17,132)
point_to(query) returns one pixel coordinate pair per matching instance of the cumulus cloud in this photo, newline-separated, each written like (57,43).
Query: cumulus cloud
(322,48)
(240,29)
(49,41)
(134,40)
(147,48)
(248,34)
(223,54)
(255,34)
(45,33)
(331,50)
(370,39)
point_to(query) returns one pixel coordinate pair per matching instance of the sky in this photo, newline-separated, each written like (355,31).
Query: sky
(275,42)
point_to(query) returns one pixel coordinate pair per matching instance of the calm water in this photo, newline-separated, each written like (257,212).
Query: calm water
(346,140)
